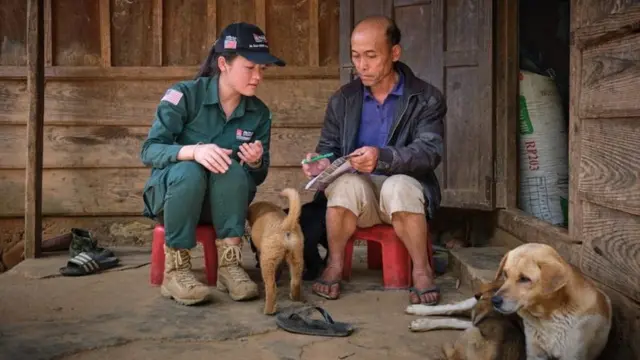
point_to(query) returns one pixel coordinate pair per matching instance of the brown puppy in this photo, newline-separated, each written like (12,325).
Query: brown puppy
(488,336)
(565,316)
(278,236)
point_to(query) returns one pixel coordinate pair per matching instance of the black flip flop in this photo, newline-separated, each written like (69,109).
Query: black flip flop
(86,263)
(297,324)
(419,293)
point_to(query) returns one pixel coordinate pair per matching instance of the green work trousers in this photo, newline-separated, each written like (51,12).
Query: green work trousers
(195,196)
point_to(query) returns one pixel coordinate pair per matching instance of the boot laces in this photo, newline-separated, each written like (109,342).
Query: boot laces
(183,265)
(232,257)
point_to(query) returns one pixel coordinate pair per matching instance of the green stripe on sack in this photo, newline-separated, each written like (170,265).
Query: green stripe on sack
(526,128)
(564,204)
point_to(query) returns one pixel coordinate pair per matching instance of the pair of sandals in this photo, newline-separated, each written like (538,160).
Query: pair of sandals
(419,292)
(90,262)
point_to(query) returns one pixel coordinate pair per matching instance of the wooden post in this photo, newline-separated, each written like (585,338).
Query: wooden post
(156,58)
(314,33)
(105,33)
(261,15)
(35,125)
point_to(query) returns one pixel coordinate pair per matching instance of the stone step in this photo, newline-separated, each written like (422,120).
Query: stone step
(475,265)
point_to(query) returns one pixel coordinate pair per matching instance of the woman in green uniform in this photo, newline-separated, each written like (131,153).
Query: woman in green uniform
(208,150)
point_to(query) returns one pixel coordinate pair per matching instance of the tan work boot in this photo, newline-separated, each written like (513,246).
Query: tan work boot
(231,275)
(179,282)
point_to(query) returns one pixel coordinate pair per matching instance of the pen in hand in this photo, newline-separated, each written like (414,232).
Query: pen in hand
(316,158)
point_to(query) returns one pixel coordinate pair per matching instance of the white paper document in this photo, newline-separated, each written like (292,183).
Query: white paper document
(326,177)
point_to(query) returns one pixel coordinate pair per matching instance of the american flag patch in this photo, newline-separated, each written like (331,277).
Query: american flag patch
(230,42)
(172,96)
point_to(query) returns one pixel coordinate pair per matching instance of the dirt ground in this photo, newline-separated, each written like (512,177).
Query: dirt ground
(119,315)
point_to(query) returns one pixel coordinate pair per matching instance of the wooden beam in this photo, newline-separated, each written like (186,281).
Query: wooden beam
(48,34)
(575,142)
(314,33)
(212,22)
(346,25)
(506,87)
(35,125)
(105,32)
(157,33)
(261,15)
(158,72)
(613,26)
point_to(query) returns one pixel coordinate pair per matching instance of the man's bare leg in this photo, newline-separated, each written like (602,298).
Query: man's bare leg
(412,230)
(341,224)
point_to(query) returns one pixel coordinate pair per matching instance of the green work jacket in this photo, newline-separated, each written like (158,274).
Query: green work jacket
(190,113)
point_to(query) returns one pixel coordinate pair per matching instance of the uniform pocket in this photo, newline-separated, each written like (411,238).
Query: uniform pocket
(154,194)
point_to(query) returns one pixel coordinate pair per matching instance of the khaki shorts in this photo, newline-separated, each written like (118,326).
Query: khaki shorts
(375,198)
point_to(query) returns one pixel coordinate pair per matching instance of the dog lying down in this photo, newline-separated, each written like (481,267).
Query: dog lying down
(277,236)
(565,315)
(488,335)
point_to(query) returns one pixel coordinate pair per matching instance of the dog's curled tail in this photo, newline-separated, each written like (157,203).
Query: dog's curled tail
(291,221)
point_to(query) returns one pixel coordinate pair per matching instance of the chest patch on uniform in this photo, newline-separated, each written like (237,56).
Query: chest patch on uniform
(243,135)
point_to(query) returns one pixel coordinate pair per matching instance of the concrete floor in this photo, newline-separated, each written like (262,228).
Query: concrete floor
(118,315)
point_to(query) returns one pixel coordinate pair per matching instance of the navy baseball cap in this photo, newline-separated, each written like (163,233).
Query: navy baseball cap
(246,40)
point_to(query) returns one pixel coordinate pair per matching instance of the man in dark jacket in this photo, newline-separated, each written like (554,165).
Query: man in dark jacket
(392,122)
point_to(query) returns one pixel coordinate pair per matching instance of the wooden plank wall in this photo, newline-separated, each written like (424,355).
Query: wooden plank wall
(604,138)
(606,129)
(109,62)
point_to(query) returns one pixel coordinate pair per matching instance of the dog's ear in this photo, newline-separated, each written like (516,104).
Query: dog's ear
(553,276)
(477,296)
(500,268)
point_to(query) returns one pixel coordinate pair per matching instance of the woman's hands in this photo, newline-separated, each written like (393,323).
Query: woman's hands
(212,157)
(217,159)
(251,153)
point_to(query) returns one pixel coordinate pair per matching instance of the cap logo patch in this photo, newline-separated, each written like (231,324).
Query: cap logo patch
(259,38)
(230,42)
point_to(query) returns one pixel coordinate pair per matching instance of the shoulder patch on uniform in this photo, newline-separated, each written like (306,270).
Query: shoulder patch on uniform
(172,96)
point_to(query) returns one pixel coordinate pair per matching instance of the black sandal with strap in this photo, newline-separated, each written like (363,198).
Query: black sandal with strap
(296,323)
(86,263)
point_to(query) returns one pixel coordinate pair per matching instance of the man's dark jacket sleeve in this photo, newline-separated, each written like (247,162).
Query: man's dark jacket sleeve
(330,137)
(424,153)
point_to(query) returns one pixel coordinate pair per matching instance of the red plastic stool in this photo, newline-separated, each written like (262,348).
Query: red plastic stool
(205,235)
(387,252)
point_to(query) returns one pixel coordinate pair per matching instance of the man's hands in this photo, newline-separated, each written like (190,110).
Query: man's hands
(251,153)
(217,160)
(316,167)
(365,159)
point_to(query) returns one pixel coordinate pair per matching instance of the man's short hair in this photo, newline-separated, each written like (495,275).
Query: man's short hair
(392,32)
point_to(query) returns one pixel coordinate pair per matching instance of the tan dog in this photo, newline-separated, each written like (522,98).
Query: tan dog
(278,236)
(564,315)
(489,335)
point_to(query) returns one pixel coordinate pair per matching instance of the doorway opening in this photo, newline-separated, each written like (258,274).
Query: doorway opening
(543,109)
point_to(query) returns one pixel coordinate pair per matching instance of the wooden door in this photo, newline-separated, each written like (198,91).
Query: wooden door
(448,44)
(604,209)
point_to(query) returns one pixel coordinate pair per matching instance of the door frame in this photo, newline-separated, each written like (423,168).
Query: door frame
(506,89)
(525,227)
